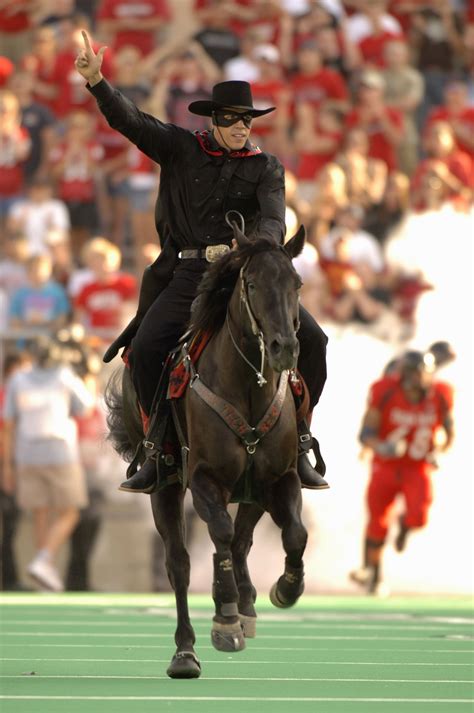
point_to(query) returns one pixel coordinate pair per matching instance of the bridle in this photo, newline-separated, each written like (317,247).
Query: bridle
(245,301)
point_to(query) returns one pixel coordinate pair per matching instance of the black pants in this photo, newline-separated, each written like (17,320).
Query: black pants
(166,320)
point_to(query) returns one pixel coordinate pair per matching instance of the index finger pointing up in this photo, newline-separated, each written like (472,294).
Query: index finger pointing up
(87,43)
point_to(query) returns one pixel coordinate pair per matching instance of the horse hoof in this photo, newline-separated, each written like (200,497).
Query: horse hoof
(278,601)
(249,626)
(227,637)
(184,664)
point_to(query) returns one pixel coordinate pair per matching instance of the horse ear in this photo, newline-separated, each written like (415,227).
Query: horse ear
(239,236)
(294,246)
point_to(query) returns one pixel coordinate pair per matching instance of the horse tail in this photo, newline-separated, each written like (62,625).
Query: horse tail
(123,414)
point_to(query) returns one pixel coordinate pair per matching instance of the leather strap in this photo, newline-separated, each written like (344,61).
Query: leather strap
(192,254)
(249,435)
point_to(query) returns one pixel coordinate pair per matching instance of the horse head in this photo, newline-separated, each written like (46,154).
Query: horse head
(269,289)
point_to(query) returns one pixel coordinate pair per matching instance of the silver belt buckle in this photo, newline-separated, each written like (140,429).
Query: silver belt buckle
(214,252)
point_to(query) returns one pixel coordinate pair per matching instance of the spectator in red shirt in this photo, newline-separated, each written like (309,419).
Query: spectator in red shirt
(459,113)
(271,89)
(372,46)
(15,146)
(72,94)
(43,64)
(37,119)
(74,164)
(314,83)
(6,70)
(383,125)
(15,28)
(112,180)
(317,138)
(445,168)
(127,22)
(103,304)
(366,176)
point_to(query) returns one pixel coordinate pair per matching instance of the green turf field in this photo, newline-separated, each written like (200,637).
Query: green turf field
(109,653)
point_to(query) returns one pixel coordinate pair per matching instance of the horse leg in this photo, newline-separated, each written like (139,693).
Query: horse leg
(226,634)
(285,508)
(247,517)
(167,507)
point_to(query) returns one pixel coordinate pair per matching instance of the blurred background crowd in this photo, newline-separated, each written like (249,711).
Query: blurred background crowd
(375,127)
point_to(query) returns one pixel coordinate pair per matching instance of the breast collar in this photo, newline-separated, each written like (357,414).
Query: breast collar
(211,147)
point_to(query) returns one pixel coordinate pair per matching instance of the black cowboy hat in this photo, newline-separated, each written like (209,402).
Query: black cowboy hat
(233,94)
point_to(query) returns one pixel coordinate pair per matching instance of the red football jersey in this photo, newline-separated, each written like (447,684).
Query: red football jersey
(401,419)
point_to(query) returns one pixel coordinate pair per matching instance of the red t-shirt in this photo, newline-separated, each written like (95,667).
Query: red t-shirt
(72,92)
(336,273)
(310,163)
(234,24)
(11,170)
(103,302)
(458,163)
(112,142)
(415,423)
(379,145)
(266,94)
(465,117)
(316,88)
(132,10)
(76,182)
(49,74)
(11,21)
(372,47)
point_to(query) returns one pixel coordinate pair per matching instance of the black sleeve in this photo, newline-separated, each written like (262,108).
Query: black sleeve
(271,199)
(157,140)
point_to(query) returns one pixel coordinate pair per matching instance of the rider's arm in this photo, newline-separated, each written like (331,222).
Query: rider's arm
(271,199)
(155,138)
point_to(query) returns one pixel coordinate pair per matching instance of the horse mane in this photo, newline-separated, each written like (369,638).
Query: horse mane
(217,285)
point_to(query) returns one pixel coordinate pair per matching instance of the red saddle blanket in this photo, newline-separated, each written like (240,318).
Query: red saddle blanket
(180,376)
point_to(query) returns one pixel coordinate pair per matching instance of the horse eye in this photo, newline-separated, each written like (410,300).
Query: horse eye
(250,286)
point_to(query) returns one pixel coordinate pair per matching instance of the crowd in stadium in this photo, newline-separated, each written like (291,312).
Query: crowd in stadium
(374,125)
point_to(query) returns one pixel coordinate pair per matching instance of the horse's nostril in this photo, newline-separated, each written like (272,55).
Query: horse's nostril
(275,347)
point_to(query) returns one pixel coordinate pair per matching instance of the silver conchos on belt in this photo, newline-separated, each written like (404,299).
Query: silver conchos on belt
(214,252)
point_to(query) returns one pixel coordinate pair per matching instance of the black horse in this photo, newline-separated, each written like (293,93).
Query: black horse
(238,420)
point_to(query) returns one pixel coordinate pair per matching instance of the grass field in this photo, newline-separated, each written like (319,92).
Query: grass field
(109,653)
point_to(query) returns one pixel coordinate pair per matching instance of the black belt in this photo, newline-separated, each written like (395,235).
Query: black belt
(211,253)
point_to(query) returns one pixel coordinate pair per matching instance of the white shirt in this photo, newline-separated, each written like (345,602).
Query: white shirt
(363,248)
(359,26)
(242,69)
(37,219)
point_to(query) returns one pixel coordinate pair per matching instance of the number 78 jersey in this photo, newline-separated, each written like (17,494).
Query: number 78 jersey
(413,424)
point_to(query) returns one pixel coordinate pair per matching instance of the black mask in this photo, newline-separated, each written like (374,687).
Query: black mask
(228,118)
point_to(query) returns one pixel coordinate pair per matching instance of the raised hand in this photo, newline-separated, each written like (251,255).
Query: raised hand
(88,63)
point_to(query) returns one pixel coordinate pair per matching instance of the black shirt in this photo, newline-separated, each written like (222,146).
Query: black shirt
(199,180)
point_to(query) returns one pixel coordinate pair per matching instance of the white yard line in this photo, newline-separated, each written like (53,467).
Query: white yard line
(224,699)
(303,624)
(251,678)
(255,647)
(275,637)
(247,662)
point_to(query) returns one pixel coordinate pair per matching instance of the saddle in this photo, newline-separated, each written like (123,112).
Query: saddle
(164,439)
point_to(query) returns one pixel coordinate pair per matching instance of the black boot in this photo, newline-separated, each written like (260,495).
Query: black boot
(311,477)
(144,480)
